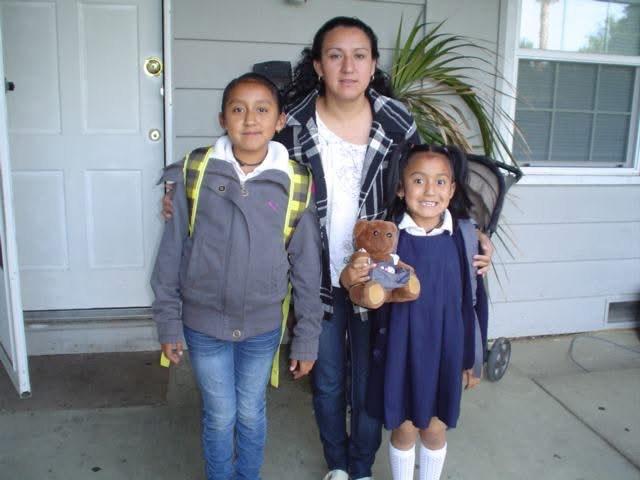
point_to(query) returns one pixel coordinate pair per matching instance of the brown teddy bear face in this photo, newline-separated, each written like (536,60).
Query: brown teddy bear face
(377,237)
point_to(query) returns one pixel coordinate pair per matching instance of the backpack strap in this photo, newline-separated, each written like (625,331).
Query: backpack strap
(470,237)
(299,197)
(470,240)
(195,164)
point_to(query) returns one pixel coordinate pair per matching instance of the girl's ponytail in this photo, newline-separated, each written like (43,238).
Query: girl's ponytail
(394,205)
(460,204)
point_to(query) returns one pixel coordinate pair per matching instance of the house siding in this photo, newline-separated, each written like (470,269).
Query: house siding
(573,250)
(214,42)
(565,250)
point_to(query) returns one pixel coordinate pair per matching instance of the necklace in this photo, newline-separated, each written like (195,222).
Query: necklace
(438,225)
(244,164)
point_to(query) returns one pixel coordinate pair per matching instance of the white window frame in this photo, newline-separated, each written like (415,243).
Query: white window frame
(508,47)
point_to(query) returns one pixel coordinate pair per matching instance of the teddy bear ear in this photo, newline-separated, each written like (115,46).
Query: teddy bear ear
(361,226)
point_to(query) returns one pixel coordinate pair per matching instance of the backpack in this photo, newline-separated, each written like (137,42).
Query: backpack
(194,168)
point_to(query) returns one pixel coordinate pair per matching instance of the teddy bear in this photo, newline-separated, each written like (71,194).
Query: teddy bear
(390,280)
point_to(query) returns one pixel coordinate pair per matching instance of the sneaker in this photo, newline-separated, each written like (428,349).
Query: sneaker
(336,475)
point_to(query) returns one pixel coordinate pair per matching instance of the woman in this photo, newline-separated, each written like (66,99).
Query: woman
(343,124)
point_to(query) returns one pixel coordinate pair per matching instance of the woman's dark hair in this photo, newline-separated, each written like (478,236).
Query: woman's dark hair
(460,204)
(255,78)
(305,78)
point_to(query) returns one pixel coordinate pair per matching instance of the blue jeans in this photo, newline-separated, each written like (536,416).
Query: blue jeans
(345,332)
(232,377)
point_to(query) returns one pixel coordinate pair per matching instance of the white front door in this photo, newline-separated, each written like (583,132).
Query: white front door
(13,349)
(84,158)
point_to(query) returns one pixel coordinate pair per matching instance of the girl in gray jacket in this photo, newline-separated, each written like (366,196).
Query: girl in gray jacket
(220,278)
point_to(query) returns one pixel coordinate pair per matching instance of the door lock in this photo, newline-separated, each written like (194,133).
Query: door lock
(154,134)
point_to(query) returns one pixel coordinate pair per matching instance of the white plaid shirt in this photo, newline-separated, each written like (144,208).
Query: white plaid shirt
(391,124)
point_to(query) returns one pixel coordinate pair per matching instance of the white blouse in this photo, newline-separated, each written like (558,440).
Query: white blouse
(342,163)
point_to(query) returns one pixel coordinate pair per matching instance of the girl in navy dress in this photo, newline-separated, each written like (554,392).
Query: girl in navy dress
(423,350)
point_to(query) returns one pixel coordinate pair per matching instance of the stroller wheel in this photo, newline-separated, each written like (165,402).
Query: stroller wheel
(498,361)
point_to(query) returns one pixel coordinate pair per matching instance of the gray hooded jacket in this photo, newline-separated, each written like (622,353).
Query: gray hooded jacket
(228,279)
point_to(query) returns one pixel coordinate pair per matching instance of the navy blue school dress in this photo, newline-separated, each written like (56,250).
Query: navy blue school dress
(420,348)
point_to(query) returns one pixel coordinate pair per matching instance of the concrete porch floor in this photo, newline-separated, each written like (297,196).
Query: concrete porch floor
(568,408)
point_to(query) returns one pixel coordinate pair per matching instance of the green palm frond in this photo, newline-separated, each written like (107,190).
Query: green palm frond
(432,69)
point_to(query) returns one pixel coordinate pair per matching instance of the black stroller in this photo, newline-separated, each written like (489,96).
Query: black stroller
(489,181)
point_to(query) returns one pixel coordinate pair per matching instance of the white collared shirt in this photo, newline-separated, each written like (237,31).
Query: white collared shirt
(277,158)
(412,228)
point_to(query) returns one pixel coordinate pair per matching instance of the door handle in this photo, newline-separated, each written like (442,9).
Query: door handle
(9,86)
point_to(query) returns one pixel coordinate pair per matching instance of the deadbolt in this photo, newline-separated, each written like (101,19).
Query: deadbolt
(153,66)
(154,134)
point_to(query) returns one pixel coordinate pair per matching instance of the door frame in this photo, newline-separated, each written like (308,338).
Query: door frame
(16,361)
(167,79)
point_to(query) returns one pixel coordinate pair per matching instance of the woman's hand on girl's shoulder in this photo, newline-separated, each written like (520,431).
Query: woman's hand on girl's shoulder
(167,201)
(482,261)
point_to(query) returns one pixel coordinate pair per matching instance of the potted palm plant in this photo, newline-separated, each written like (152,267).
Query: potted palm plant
(432,74)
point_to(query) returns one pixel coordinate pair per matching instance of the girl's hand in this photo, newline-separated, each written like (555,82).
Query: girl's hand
(167,201)
(469,380)
(356,272)
(173,351)
(300,368)
(482,261)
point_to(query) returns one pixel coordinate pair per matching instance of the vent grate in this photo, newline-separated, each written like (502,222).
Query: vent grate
(624,311)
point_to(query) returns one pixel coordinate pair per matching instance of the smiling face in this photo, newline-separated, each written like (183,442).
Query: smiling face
(346,63)
(427,187)
(250,116)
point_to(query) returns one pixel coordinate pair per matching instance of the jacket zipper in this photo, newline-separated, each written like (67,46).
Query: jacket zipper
(244,192)
(226,266)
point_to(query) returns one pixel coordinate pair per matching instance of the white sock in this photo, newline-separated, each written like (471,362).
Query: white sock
(431,462)
(402,463)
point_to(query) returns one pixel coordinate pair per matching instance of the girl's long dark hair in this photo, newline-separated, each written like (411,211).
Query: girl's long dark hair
(460,204)
(305,78)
